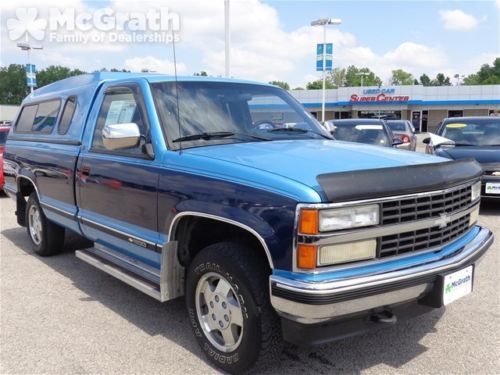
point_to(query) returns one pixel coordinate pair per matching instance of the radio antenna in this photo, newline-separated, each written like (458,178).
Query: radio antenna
(177,92)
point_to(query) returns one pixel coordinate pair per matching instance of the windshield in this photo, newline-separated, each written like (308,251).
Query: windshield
(397,126)
(221,112)
(361,132)
(474,132)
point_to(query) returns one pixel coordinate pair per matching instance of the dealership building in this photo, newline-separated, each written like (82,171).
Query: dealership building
(424,106)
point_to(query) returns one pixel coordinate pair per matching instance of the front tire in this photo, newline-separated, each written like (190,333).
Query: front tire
(47,238)
(227,297)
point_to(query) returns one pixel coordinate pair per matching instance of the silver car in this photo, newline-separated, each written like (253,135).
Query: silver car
(404,130)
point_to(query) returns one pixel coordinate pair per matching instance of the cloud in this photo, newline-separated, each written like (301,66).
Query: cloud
(458,20)
(150,63)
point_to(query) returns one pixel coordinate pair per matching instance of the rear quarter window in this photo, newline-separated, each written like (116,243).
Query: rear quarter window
(67,115)
(26,119)
(39,118)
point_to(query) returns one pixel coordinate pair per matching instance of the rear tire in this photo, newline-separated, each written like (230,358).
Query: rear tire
(227,298)
(46,237)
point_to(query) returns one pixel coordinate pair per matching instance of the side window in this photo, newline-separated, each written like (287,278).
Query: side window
(67,115)
(38,118)
(26,119)
(46,116)
(119,107)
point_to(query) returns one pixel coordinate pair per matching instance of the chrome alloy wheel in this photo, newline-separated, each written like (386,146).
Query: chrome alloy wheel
(35,224)
(219,312)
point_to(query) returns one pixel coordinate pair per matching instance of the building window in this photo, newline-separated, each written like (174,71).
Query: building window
(456,113)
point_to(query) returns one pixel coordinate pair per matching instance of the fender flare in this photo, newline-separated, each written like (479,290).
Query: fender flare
(180,215)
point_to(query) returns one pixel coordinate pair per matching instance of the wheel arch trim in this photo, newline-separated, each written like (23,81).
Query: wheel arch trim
(175,221)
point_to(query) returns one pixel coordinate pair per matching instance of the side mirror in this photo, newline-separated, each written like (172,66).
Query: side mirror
(426,141)
(117,136)
(396,142)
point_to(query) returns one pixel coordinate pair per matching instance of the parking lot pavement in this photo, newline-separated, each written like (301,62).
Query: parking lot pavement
(61,316)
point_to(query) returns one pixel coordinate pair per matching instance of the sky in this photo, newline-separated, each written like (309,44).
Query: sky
(270,40)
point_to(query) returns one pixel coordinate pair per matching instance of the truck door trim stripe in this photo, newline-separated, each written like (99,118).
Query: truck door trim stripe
(121,235)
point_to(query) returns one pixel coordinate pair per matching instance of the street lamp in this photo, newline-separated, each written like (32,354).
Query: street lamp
(459,77)
(325,22)
(227,40)
(26,46)
(363,75)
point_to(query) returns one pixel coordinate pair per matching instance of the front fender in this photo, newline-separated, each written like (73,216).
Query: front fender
(266,215)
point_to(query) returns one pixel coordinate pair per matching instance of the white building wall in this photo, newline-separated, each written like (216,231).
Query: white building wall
(8,112)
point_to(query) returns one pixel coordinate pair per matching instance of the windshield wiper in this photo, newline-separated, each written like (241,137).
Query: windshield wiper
(299,130)
(217,135)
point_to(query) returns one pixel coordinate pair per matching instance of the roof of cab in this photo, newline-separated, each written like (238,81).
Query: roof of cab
(93,80)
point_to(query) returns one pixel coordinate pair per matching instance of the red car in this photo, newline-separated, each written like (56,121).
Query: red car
(4,131)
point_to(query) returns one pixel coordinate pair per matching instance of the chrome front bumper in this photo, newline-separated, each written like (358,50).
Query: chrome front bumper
(315,302)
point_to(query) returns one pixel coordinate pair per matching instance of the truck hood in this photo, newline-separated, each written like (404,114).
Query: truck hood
(301,161)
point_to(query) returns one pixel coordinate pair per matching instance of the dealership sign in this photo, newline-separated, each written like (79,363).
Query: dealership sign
(379,95)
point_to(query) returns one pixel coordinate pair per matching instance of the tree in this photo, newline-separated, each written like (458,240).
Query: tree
(487,75)
(441,80)
(425,80)
(353,77)
(401,78)
(13,87)
(299,88)
(202,73)
(338,77)
(55,73)
(284,85)
(318,85)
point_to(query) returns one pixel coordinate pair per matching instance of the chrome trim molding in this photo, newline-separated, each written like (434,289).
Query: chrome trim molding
(371,232)
(175,220)
(53,208)
(152,245)
(19,176)
(310,313)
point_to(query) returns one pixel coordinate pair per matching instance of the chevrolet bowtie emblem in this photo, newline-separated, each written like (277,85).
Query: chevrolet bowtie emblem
(496,173)
(443,221)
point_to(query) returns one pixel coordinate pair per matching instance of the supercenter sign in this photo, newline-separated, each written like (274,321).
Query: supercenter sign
(379,95)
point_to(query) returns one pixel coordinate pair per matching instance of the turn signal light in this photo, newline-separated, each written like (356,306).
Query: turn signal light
(306,256)
(308,221)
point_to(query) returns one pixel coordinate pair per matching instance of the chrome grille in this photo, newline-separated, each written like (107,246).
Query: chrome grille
(424,207)
(422,239)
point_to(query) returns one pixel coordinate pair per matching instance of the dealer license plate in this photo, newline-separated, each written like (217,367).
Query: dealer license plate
(457,284)
(492,188)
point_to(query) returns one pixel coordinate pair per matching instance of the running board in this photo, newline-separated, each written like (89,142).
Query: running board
(139,283)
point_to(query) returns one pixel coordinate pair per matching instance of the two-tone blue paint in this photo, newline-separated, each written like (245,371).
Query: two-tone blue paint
(125,203)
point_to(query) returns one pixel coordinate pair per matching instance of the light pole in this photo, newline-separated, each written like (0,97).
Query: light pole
(362,74)
(324,22)
(226,37)
(459,77)
(26,46)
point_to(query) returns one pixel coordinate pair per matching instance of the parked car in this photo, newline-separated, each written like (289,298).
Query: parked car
(404,130)
(228,192)
(472,137)
(4,130)
(368,131)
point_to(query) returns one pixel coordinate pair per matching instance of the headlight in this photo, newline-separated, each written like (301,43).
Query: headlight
(475,192)
(347,252)
(349,217)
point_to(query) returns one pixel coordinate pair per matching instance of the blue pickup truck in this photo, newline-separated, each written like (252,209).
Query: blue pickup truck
(229,193)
